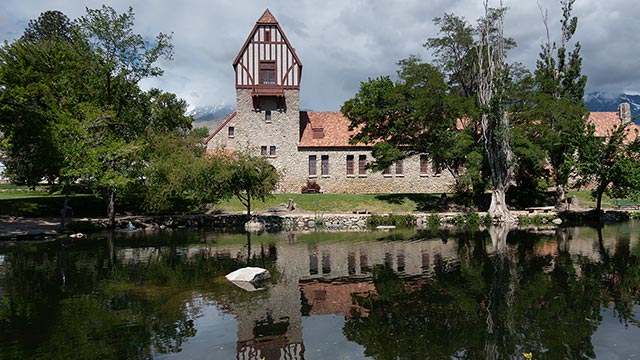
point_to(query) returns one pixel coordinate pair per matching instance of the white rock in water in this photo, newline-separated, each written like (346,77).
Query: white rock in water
(254,226)
(249,278)
(557,221)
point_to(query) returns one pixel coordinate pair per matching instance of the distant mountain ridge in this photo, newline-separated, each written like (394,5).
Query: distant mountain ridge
(598,101)
(210,116)
(210,112)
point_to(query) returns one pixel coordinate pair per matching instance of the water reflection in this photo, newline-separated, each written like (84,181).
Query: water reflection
(489,294)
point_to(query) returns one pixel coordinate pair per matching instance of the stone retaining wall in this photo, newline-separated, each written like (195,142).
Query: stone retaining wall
(279,222)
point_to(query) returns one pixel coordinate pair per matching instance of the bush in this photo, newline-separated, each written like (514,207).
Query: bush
(310,187)
(392,220)
(434,221)
(535,220)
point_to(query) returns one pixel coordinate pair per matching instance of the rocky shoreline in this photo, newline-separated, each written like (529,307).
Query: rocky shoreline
(16,228)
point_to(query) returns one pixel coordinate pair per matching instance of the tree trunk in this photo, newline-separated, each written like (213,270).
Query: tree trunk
(63,213)
(561,195)
(495,116)
(498,209)
(599,200)
(500,159)
(111,208)
(248,205)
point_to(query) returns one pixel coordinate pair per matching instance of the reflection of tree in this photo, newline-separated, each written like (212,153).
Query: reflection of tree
(79,300)
(621,272)
(494,306)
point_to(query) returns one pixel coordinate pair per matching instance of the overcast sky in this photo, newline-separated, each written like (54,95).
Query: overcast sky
(342,43)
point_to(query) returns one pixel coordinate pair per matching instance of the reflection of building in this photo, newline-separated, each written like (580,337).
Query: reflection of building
(322,277)
(314,280)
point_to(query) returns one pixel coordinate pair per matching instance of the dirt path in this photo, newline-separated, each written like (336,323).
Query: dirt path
(13,226)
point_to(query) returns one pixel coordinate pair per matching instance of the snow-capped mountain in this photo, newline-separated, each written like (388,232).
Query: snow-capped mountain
(598,101)
(210,112)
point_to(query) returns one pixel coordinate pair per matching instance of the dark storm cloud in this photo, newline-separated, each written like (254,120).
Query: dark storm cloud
(342,43)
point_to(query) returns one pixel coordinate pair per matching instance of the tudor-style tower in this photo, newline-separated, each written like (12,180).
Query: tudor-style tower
(267,117)
(267,65)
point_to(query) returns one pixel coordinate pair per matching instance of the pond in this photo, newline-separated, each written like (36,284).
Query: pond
(555,293)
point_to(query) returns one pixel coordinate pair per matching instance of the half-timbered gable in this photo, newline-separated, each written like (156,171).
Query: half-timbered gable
(267,64)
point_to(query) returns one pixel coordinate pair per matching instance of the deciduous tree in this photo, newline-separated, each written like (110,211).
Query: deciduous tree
(557,118)
(250,177)
(610,164)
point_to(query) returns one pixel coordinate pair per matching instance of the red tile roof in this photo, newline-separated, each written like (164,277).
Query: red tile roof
(335,128)
(334,124)
(606,122)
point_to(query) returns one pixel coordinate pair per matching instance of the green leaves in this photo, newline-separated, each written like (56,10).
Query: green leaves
(611,164)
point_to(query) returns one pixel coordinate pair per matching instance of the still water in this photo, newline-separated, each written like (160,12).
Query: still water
(557,294)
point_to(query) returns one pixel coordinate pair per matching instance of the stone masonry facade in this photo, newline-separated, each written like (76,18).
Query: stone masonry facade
(268,122)
(278,139)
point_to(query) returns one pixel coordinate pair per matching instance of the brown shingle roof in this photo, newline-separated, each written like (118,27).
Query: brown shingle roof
(606,122)
(267,18)
(335,127)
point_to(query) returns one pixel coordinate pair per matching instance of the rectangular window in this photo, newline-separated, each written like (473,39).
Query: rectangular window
(362,163)
(263,150)
(272,150)
(424,165)
(267,115)
(267,35)
(399,167)
(386,171)
(268,72)
(437,170)
(232,131)
(324,165)
(350,167)
(312,165)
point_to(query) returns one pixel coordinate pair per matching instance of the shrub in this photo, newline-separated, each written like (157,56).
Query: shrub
(434,221)
(392,220)
(311,187)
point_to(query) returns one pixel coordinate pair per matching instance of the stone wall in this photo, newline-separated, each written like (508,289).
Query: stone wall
(253,131)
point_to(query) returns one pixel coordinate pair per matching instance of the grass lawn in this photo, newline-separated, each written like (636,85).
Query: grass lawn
(21,201)
(374,203)
(8,191)
(32,205)
(585,200)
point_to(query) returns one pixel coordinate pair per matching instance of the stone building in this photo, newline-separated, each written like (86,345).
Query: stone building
(315,146)
(305,145)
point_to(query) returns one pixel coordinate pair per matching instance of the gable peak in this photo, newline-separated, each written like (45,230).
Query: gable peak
(267,18)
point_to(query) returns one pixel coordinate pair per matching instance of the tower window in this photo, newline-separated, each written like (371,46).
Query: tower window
(272,151)
(267,115)
(263,150)
(232,131)
(268,72)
